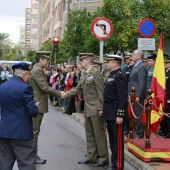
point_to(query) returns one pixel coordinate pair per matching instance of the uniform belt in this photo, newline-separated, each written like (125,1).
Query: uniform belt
(109,101)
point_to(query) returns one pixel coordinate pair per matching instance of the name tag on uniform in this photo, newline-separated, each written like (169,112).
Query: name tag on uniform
(168,101)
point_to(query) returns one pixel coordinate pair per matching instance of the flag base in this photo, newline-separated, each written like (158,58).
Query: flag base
(159,151)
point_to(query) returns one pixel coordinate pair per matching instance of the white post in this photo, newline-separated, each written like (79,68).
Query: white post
(101,51)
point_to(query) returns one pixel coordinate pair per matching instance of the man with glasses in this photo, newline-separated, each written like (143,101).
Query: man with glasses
(41,89)
(137,79)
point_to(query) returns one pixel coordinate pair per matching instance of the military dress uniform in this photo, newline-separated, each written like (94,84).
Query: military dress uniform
(91,84)
(38,81)
(149,77)
(115,105)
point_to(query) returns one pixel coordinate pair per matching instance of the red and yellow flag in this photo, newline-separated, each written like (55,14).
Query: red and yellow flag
(158,88)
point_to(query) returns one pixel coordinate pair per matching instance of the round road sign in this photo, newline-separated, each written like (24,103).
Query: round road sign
(102,28)
(146,28)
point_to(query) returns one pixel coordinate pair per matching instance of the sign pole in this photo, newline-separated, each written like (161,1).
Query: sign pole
(101,51)
(145,53)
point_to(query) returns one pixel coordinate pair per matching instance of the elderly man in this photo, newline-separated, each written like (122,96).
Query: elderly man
(91,84)
(16,132)
(137,79)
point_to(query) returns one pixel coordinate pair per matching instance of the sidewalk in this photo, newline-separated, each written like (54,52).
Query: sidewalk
(129,157)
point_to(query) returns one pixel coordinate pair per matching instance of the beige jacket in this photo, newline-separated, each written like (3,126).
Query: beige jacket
(91,84)
(38,81)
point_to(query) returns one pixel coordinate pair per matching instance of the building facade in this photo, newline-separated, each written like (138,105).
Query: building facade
(22,39)
(34,25)
(53,16)
(27,28)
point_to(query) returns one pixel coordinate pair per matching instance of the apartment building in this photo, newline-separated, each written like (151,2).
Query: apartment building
(61,8)
(34,25)
(53,16)
(22,39)
(27,28)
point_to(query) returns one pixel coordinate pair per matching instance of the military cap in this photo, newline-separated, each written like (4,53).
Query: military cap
(167,60)
(144,59)
(97,63)
(85,55)
(152,56)
(96,58)
(45,54)
(127,55)
(113,57)
(22,66)
(166,56)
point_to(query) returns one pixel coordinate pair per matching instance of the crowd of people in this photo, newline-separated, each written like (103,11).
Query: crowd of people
(100,90)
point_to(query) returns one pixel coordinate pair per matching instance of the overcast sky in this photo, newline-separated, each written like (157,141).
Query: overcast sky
(12,16)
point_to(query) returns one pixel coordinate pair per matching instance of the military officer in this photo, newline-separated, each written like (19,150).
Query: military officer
(91,84)
(38,81)
(16,132)
(151,64)
(97,65)
(115,108)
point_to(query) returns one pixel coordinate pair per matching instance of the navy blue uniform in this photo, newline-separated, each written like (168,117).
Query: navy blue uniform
(16,130)
(17,108)
(115,105)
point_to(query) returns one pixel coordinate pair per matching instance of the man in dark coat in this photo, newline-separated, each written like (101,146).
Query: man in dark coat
(115,108)
(16,131)
(137,79)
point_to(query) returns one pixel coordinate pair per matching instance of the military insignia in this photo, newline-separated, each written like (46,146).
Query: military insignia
(110,79)
(30,67)
(89,78)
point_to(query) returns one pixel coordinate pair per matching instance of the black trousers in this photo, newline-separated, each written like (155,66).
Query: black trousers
(116,141)
(22,151)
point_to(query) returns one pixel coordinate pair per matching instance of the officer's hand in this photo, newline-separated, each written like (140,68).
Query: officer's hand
(100,112)
(119,120)
(37,104)
(137,99)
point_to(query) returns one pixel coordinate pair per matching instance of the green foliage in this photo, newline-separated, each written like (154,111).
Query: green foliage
(125,16)
(30,56)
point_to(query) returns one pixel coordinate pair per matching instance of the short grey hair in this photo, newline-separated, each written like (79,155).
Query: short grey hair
(19,72)
(140,53)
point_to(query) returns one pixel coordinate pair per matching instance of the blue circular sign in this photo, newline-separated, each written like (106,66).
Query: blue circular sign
(146,28)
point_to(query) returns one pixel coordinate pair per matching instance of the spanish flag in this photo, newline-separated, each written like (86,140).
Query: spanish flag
(158,88)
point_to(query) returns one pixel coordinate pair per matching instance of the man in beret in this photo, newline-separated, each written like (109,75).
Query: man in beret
(38,81)
(16,130)
(151,64)
(91,84)
(115,109)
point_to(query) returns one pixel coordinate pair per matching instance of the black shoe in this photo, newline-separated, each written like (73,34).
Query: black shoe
(167,136)
(65,112)
(98,164)
(40,161)
(85,162)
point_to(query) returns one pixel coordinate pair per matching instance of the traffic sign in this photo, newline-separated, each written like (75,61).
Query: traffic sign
(146,28)
(102,28)
(146,44)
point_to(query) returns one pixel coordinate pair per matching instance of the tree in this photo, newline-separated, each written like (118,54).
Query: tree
(4,44)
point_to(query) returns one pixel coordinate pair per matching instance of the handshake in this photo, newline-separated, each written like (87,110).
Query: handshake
(63,95)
